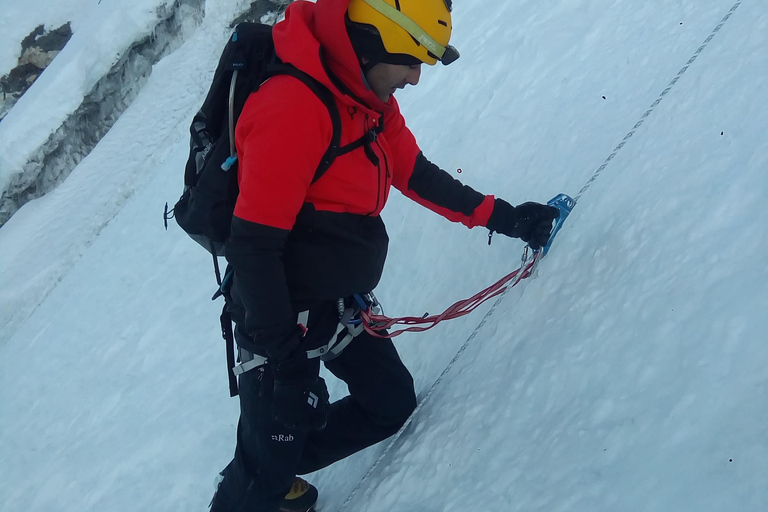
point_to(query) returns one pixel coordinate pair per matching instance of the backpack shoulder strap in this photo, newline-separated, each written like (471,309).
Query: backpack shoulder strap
(326,96)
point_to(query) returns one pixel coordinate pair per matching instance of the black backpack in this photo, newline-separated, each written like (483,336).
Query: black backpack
(205,208)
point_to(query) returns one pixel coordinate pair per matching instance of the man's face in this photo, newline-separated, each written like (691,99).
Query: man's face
(385,79)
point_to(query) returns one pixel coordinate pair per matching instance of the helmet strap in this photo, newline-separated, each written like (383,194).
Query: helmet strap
(409,26)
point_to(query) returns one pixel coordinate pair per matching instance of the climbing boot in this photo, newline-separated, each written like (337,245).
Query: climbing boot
(302,497)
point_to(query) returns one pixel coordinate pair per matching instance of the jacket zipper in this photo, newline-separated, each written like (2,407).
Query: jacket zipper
(380,193)
(386,162)
(386,179)
(378,190)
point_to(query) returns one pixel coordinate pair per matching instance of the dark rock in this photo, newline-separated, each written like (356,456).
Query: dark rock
(29,41)
(38,50)
(19,79)
(55,40)
(52,162)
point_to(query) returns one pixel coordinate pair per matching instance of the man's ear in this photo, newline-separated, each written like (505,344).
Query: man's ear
(366,64)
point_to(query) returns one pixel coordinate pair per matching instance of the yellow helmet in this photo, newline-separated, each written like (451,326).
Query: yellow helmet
(419,28)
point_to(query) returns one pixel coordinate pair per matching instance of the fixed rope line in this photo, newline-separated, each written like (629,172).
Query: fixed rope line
(463,348)
(656,103)
(423,401)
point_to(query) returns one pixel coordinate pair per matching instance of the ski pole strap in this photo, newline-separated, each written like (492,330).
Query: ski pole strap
(376,324)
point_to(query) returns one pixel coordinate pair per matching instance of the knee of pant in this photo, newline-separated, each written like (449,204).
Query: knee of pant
(398,410)
(409,404)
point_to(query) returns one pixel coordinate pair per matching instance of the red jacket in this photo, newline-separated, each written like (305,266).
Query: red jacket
(296,243)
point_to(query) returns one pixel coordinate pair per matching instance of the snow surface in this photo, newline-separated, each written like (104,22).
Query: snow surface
(19,19)
(630,374)
(101,32)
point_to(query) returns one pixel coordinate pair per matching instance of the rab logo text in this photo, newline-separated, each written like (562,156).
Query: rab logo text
(281,438)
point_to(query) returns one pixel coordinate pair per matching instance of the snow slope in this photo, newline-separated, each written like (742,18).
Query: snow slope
(629,374)
(21,18)
(101,31)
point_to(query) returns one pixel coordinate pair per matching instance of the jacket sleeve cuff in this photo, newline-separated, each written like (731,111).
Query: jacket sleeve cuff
(482,214)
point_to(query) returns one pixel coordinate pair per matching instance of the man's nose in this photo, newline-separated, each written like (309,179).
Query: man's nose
(413,75)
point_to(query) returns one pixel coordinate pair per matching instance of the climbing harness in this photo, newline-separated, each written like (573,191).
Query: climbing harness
(349,320)
(349,311)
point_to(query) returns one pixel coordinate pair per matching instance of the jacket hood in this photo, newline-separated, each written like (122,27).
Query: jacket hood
(313,38)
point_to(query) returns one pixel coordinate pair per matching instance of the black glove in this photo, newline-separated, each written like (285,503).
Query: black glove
(299,395)
(530,222)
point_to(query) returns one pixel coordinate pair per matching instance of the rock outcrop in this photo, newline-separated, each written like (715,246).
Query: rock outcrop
(38,50)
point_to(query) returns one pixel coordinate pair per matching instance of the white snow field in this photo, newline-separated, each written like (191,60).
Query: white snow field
(101,32)
(630,373)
